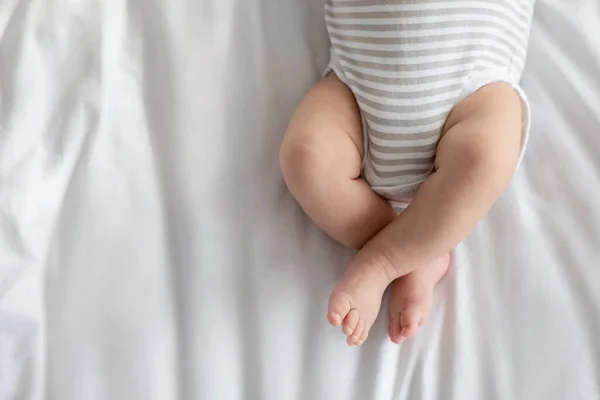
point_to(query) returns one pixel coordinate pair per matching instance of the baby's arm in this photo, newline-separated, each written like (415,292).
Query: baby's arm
(475,161)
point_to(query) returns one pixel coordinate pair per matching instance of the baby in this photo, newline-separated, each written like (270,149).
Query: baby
(414,133)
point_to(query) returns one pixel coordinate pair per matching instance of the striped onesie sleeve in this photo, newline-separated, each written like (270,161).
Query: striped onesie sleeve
(408,62)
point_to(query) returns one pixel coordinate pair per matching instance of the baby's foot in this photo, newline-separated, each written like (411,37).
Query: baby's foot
(410,299)
(355,301)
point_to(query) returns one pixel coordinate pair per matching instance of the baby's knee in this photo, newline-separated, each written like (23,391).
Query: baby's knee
(302,162)
(480,160)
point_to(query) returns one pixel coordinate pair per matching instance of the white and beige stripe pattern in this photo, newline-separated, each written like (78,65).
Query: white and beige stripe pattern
(408,62)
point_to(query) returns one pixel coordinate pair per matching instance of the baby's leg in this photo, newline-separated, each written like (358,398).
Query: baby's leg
(321,159)
(475,161)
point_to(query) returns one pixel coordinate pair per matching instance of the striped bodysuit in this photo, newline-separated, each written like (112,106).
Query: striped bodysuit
(408,62)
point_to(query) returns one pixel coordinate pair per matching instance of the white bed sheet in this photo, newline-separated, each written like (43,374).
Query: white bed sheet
(150,250)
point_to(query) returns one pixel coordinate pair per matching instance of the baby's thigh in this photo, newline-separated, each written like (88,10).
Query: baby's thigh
(491,123)
(327,125)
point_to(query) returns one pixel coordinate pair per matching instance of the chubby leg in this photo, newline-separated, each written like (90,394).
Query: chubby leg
(475,161)
(321,159)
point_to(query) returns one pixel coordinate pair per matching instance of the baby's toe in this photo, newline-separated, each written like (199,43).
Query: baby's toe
(395,328)
(350,322)
(363,336)
(354,338)
(339,307)
(410,320)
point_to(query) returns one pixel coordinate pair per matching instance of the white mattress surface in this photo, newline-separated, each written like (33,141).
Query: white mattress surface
(149,249)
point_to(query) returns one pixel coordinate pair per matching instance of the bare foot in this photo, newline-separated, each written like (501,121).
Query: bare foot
(356,299)
(410,299)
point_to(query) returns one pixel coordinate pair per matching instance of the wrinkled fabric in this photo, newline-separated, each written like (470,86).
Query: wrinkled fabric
(149,249)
